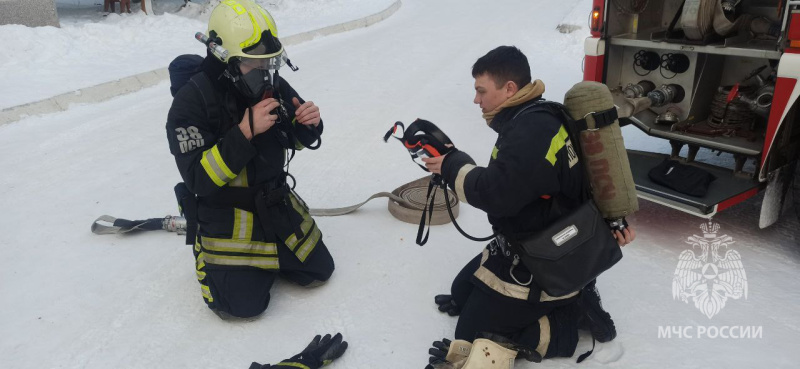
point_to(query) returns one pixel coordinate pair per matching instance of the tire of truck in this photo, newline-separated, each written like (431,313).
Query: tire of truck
(796,190)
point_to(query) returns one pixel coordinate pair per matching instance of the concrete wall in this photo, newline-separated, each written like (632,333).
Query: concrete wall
(34,13)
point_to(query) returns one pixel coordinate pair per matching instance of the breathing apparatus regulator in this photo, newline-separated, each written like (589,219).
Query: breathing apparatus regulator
(424,139)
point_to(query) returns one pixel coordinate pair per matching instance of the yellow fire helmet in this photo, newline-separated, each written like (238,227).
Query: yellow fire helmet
(247,31)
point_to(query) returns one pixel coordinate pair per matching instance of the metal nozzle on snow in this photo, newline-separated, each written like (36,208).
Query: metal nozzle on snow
(107,224)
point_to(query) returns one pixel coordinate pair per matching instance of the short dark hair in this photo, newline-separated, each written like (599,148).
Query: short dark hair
(505,63)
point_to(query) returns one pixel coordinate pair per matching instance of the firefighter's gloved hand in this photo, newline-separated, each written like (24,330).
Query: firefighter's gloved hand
(617,224)
(323,350)
(438,353)
(447,304)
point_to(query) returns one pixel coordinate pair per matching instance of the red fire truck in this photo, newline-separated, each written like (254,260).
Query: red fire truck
(720,75)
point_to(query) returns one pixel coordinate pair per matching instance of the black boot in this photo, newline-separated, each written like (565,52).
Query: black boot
(563,330)
(593,317)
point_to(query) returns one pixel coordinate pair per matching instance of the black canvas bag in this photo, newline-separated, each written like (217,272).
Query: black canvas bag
(571,252)
(683,178)
(576,248)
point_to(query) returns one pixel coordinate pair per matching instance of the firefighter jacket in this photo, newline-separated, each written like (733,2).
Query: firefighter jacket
(214,159)
(533,175)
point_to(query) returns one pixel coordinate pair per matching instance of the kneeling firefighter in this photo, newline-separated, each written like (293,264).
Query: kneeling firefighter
(533,180)
(233,127)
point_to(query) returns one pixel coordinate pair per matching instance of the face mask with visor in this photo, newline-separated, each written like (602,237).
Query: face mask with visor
(256,76)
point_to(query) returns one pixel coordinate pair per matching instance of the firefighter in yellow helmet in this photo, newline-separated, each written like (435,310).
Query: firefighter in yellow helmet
(232,128)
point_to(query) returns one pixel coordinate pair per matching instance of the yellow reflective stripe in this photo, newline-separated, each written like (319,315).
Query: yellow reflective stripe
(270,22)
(238,8)
(308,222)
(200,261)
(218,159)
(311,242)
(210,171)
(242,224)
(256,37)
(240,246)
(253,261)
(556,144)
(305,226)
(240,180)
(199,266)
(242,219)
(494,152)
(215,167)
(296,365)
(206,293)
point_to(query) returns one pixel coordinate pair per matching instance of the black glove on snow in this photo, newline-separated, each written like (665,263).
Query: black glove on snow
(438,352)
(320,352)
(447,304)
(324,350)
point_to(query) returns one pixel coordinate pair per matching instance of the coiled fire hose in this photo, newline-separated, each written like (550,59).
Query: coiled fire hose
(697,19)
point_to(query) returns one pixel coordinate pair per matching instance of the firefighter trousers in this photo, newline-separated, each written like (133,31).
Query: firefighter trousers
(245,292)
(550,327)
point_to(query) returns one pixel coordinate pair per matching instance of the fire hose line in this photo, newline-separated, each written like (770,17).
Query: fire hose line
(406,203)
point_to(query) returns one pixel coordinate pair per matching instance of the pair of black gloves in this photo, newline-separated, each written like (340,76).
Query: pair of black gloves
(320,352)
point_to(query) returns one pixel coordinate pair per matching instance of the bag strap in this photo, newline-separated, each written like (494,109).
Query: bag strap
(210,99)
(560,111)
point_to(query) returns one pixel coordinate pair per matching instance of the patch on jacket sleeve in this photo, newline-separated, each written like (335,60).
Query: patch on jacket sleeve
(572,156)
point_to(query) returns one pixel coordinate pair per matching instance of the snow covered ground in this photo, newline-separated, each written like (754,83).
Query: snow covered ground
(71,299)
(88,49)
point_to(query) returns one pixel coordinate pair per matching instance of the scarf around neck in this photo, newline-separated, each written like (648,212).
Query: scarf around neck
(529,92)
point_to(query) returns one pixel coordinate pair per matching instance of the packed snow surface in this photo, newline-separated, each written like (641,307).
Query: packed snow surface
(72,299)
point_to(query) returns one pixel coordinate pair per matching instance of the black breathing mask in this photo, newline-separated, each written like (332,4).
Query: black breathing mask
(254,85)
